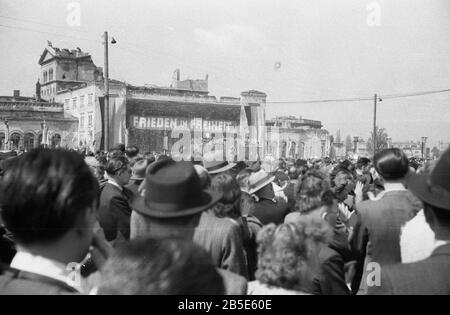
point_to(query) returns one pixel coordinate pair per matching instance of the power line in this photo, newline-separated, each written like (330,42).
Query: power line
(358,99)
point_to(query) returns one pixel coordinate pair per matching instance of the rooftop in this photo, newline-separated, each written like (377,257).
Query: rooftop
(62,53)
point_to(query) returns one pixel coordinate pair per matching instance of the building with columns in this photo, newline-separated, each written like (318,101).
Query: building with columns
(298,138)
(25,121)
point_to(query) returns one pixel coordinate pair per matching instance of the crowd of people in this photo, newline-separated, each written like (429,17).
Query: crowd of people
(123,222)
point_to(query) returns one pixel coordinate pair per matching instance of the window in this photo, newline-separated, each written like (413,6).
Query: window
(90,99)
(45,76)
(67,104)
(82,101)
(90,121)
(50,75)
(74,103)
(82,122)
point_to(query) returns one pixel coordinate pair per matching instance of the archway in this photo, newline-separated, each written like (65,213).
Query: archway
(28,141)
(2,141)
(56,141)
(15,141)
(293,150)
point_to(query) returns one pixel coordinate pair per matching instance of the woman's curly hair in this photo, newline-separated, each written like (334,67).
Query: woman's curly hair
(311,190)
(230,204)
(288,253)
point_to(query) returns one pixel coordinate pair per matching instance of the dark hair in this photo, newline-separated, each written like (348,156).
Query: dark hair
(116,164)
(229,205)
(162,267)
(391,164)
(362,162)
(43,194)
(114,154)
(131,151)
(118,146)
(313,192)
(293,173)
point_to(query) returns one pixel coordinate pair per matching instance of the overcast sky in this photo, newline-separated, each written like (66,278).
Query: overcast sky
(291,50)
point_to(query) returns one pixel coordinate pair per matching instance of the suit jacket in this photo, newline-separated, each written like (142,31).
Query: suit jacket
(426,277)
(17,282)
(268,211)
(222,239)
(331,278)
(376,236)
(234,284)
(114,213)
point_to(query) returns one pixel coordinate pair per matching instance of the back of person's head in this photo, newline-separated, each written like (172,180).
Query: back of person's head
(293,173)
(391,164)
(229,205)
(132,152)
(45,193)
(115,154)
(288,253)
(119,147)
(116,164)
(362,163)
(313,191)
(160,267)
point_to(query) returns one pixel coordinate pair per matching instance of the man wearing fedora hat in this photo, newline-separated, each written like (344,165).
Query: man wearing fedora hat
(268,208)
(172,206)
(137,177)
(432,275)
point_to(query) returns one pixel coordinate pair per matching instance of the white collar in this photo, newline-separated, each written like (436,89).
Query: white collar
(388,187)
(113,182)
(45,267)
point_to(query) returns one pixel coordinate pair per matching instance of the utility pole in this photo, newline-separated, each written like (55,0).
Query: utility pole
(106,98)
(375,124)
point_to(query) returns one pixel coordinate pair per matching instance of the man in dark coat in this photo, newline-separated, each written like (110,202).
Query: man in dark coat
(115,211)
(173,205)
(48,201)
(432,275)
(268,208)
(376,237)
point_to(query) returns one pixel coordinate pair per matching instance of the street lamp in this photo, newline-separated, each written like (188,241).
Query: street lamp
(106,126)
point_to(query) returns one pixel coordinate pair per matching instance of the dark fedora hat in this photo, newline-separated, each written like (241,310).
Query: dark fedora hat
(173,190)
(434,188)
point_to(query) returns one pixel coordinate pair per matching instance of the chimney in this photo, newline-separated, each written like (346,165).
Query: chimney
(16,93)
